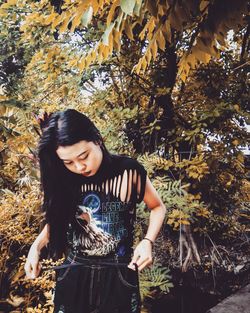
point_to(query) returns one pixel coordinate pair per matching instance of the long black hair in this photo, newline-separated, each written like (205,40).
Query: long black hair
(60,186)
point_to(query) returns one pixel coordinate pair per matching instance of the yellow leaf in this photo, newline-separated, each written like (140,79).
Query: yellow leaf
(194,175)
(237,107)
(154,49)
(12,2)
(96,5)
(176,224)
(116,39)
(200,55)
(235,142)
(88,61)
(76,21)
(65,23)
(119,20)
(93,55)
(128,30)
(99,54)
(148,56)
(102,52)
(170,221)
(65,90)
(8,4)
(144,64)
(18,275)
(80,11)
(183,70)
(50,18)
(204,4)
(161,40)
(111,43)
(137,8)
(149,25)
(185,222)
(72,63)
(82,63)
(112,11)
(240,157)
(191,60)
(151,28)
(56,21)
(162,9)
(3,13)
(15,301)
(137,67)
(207,45)
(106,52)
(166,30)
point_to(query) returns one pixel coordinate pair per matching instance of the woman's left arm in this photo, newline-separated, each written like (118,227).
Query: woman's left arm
(143,252)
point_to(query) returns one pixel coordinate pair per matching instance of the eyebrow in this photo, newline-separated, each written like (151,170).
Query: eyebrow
(76,156)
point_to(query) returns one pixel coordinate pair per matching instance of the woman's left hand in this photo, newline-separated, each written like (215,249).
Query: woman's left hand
(142,255)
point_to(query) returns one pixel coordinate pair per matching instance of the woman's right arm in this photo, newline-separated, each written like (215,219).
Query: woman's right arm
(32,266)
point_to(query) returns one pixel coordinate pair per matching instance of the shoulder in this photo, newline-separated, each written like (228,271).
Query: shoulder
(132,173)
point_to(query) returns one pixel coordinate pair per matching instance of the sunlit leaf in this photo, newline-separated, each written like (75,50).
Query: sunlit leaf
(127,6)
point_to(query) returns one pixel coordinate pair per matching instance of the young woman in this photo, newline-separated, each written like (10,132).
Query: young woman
(90,199)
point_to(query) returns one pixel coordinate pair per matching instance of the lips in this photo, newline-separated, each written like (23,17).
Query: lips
(86,173)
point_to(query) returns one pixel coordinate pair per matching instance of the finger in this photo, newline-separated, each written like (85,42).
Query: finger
(141,261)
(138,263)
(34,274)
(31,270)
(144,261)
(133,261)
(36,270)
(27,269)
(29,275)
(39,267)
(144,258)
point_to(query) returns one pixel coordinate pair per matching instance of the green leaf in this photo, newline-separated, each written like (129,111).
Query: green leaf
(155,277)
(87,16)
(137,7)
(105,37)
(127,6)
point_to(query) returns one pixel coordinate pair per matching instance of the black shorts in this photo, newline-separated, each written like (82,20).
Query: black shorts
(96,285)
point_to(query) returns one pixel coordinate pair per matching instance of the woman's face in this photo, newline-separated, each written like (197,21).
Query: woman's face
(84,157)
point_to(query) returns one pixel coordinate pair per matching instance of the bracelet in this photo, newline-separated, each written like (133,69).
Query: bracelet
(152,243)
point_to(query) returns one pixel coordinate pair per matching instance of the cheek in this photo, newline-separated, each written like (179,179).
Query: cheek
(70,168)
(92,159)
(98,159)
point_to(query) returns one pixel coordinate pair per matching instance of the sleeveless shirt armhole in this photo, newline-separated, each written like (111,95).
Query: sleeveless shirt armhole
(141,180)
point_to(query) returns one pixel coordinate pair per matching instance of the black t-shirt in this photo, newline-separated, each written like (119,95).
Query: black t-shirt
(104,221)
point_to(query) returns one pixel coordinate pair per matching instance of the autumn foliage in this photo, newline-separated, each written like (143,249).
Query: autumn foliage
(165,82)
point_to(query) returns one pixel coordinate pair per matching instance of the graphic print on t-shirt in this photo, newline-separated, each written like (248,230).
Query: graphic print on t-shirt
(93,239)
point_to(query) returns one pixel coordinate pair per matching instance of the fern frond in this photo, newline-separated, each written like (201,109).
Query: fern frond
(155,277)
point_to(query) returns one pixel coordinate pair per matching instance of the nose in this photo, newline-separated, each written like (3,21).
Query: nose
(80,167)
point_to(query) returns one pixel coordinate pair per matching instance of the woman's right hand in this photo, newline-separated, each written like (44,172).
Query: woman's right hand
(32,266)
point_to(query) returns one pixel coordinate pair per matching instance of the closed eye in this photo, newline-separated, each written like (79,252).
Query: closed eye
(70,162)
(84,158)
(67,162)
